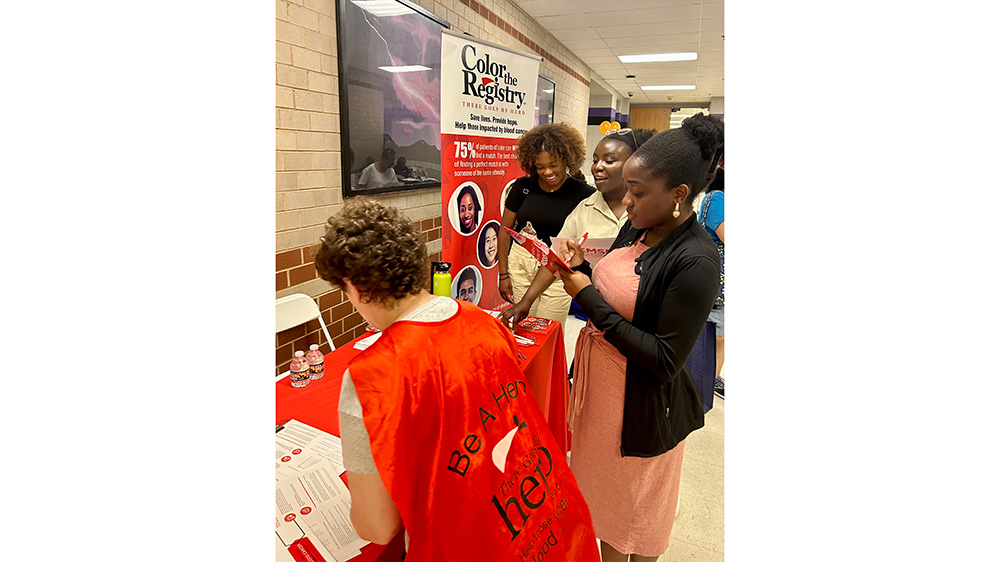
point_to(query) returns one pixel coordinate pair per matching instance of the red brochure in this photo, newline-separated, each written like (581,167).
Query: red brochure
(303,550)
(544,254)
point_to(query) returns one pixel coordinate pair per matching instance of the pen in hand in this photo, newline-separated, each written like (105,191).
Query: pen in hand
(569,255)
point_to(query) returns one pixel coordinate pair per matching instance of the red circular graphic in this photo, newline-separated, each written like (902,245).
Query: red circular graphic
(296,451)
(286,458)
(305,510)
(290,517)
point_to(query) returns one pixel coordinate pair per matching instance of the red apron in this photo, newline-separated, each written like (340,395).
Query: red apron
(444,404)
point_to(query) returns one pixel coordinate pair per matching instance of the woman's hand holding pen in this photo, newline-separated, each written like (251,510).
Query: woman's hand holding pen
(572,254)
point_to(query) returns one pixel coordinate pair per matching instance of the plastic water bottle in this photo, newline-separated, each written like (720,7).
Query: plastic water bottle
(315,360)
(299,370)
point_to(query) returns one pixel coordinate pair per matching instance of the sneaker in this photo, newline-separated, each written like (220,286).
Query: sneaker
(720,387)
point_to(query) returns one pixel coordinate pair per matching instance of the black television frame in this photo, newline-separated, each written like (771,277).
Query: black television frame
(552,113)
(345,126)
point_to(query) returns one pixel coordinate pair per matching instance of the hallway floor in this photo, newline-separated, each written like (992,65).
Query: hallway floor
(698,533)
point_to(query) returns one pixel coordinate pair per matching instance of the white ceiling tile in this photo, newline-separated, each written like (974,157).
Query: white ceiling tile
(593,61)
(678,42)
(586,54)
(575,44)
(632,17)
(565,22)
(675,66)
(597,32)
(633,30)
(712,25)
(664,79)
(540,8)
(675,13)
(711,56)
(711,70)
(607,64)
(601,6)
(610,71)
(712,10)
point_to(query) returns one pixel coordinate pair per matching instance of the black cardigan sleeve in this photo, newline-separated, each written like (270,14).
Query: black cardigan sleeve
(686,304)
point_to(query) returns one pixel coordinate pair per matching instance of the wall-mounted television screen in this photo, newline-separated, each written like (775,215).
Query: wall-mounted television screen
(545,100)
(389,56)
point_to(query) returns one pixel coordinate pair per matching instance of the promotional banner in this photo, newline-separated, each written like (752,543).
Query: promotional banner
(487,102)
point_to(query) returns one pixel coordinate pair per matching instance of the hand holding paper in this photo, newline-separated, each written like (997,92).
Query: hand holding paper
(573,282)
(544,254)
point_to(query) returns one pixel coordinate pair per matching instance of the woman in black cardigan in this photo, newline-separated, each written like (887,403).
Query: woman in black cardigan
(635,402)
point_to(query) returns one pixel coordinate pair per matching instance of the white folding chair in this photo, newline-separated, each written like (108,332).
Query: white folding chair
(297,309)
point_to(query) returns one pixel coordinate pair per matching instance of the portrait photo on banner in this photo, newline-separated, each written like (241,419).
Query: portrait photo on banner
(467,285)
(489,246)
(466,208)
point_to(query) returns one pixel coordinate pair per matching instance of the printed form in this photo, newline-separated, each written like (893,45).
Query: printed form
(299,446)
(593,250)
(314,507)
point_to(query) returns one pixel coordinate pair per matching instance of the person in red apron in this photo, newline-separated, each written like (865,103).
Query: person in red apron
(452,445)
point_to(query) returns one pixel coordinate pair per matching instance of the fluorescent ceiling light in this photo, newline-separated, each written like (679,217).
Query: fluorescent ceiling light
(410,68)
(383,8)
(682,87)
(659,57)
(548,91)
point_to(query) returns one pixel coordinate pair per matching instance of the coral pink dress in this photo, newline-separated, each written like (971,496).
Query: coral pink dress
(632,499)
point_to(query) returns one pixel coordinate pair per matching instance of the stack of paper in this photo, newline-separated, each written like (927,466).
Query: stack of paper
(312,504)
(299,446)
(363,344)
(594,251)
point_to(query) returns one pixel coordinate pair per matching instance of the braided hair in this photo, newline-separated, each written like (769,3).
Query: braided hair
(688,155)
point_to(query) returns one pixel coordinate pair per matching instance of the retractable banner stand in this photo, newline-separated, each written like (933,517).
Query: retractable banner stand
(487,102)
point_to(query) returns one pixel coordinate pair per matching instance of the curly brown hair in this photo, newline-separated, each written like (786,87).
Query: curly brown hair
(560,140)
(377,248)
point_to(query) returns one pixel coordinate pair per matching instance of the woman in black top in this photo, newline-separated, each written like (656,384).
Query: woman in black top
(543,198)
(633,401)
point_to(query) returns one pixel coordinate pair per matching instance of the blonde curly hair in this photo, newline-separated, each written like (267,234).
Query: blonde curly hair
(560,140)
(377,248)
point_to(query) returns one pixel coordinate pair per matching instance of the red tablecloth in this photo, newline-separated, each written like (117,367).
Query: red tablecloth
(544,366)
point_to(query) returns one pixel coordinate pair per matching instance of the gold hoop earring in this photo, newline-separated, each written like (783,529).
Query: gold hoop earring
(677,209)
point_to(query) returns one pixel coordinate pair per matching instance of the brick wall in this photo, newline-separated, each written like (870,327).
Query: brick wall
(307,165)
(342,320)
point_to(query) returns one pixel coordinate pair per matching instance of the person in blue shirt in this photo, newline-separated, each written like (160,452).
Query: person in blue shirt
(712,215)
